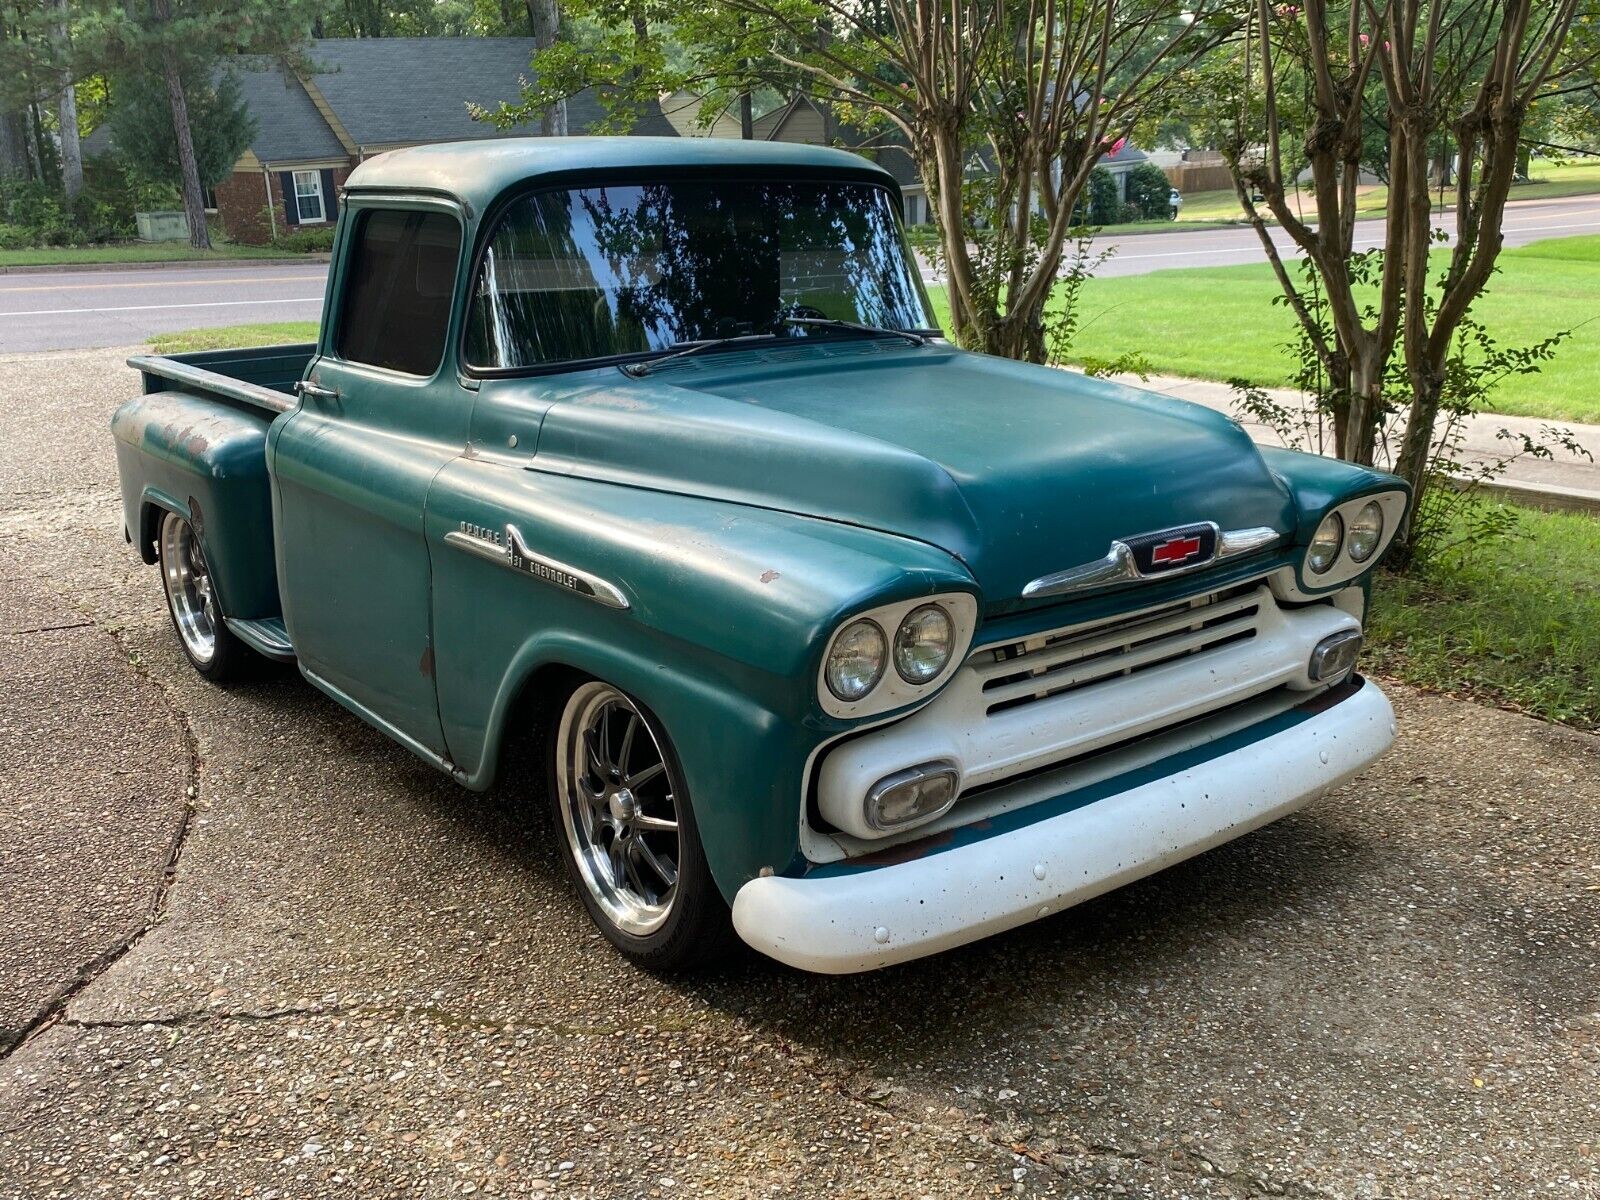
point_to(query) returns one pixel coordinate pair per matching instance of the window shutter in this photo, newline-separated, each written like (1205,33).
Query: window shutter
(330,205)
(291,210)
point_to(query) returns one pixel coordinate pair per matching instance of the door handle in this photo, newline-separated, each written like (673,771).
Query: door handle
(315,391)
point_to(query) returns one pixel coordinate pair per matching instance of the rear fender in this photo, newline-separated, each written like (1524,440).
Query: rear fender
(205,461)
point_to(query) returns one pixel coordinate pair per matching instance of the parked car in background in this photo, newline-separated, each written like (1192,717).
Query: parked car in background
(830,633)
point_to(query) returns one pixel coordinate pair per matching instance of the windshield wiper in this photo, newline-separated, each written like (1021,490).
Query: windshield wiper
(916,339)
(685,349)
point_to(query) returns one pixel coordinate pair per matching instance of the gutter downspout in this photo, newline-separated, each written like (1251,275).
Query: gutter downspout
(272,217)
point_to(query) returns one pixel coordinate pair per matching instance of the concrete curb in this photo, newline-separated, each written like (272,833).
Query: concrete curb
(1548,497)
(233,263)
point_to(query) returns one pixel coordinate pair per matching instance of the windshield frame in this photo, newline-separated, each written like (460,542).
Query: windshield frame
(565,181)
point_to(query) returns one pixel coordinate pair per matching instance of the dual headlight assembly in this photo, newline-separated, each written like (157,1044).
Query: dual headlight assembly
(1356,542)
(923,645)
(895,654)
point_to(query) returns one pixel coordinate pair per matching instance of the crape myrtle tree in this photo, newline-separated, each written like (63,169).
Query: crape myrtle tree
(1297,104)
(1005,105)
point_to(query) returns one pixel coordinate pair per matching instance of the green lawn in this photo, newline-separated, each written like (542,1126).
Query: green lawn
(1220,323)
(138,252)
(234,336)
(1516,623)
(1551,181)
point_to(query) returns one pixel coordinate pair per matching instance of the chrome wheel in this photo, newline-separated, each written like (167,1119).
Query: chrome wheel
(617,796)
(187,580)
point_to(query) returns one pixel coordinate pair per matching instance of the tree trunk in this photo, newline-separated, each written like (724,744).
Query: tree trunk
(1416,452)
(67,115)
(194,201)
(544,22)
(747,116)
(13,146)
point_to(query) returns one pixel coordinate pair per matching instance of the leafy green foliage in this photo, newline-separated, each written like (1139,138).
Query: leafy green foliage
(1150,191)
(141,122)
(1105,200)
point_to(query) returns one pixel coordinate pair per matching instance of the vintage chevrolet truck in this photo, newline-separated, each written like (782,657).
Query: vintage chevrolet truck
(646,457)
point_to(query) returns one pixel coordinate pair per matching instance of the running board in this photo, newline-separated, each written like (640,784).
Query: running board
(266,635)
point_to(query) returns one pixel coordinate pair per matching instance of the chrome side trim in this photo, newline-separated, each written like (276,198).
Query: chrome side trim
(511,550)
(1244,541)
(1118,565)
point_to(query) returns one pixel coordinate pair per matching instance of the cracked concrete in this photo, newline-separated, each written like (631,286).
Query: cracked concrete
(364,981)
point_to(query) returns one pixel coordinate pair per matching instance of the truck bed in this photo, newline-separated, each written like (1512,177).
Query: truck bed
(261,377)
(194,444)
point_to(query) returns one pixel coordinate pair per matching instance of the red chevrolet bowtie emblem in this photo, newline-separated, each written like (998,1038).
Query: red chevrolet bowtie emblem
(1176,551)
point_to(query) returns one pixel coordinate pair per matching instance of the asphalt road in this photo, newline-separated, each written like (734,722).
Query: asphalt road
(62,310)
(80,309)
(255,949)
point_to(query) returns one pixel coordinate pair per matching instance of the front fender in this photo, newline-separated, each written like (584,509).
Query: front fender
(729,612)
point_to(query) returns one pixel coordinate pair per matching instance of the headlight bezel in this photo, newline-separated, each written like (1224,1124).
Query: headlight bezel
(1305,583)
(891,690)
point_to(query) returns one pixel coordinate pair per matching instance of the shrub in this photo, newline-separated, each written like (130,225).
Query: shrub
(306,241)
(34,207)
(1150,192)
(15,237)
(1105,205)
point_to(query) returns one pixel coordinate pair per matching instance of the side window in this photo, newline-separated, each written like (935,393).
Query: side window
(399,276)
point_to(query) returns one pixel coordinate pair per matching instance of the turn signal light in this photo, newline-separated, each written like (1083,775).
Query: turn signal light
(1335,656)
(911,796)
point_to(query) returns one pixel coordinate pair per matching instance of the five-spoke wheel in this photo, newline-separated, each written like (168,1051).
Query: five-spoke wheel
(192,601)
(632,843)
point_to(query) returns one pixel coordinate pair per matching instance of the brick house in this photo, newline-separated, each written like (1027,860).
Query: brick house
(360,97)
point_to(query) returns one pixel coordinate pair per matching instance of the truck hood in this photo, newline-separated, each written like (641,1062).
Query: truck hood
(1017,470)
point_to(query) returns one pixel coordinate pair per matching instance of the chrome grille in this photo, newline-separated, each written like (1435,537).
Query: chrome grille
(1022,672)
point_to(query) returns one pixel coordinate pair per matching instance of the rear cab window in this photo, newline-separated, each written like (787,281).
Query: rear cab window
(400,277)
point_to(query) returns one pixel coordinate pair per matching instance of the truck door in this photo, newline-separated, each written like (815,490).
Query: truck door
(381,412)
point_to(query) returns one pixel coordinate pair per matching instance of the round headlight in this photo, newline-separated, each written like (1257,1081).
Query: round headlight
(855,660)
(923,644)
(1366,531)
(1325,544)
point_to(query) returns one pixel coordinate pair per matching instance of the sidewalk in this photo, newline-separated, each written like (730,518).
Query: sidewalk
(1566,481)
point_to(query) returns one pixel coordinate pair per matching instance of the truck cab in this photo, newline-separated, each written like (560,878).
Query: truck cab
(826,633)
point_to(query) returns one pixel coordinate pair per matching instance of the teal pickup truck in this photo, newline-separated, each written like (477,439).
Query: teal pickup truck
(646,457)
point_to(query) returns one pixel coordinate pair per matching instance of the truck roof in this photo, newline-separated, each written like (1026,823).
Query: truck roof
(477,172)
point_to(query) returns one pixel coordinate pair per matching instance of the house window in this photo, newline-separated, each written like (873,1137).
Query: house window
(308,197)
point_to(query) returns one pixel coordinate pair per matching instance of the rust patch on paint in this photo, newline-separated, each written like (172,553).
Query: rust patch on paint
(908,852)
(426,665)
(769,576)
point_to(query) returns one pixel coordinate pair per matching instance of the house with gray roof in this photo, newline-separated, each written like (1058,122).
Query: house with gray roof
(356,97)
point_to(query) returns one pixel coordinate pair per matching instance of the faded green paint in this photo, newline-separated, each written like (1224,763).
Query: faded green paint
(745,504)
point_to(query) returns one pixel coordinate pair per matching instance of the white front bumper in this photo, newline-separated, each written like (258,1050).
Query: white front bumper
(880,915)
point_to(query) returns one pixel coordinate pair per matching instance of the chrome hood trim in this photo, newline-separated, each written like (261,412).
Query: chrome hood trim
(1118,566)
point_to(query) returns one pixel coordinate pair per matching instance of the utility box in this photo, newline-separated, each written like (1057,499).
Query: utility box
(162,226)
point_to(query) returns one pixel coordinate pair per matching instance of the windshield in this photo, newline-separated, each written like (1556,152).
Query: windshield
(595,272)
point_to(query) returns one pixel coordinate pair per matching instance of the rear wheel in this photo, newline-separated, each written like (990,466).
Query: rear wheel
(192,603)
(632,845)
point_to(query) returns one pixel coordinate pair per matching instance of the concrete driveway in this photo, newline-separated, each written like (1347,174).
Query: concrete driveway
(254,949)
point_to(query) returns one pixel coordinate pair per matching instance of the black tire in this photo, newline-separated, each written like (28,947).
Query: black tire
(196,615)
(696,929)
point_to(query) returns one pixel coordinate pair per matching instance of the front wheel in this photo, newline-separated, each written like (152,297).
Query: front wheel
(192,603)
(632,845)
